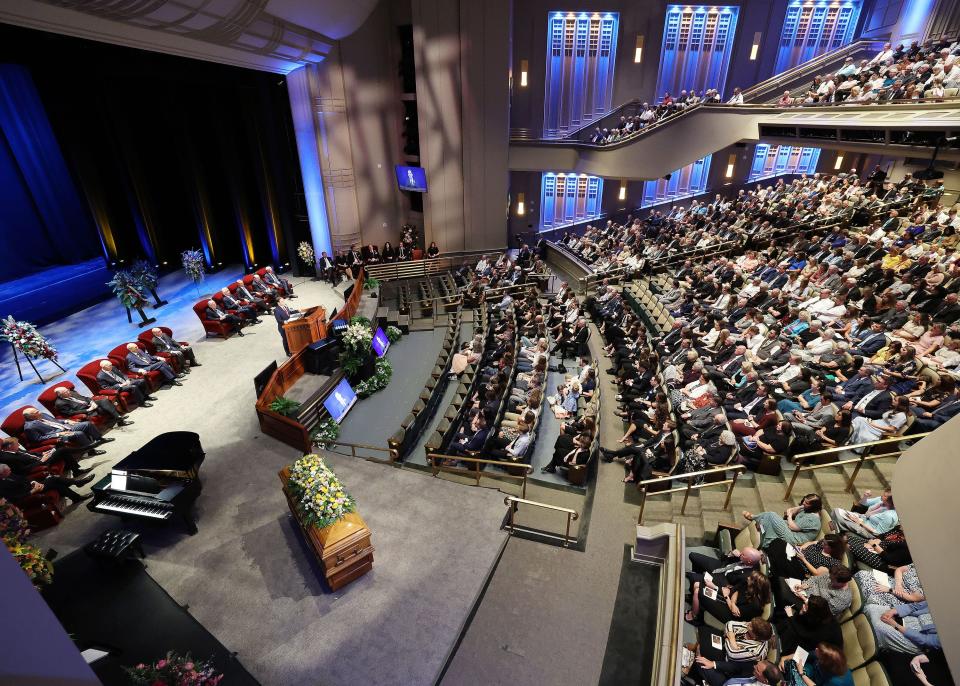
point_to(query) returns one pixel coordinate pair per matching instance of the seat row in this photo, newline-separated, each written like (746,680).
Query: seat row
(221,328)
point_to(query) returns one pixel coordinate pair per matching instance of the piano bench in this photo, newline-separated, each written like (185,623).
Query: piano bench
(116,544)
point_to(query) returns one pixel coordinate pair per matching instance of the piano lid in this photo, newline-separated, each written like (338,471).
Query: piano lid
(178,451)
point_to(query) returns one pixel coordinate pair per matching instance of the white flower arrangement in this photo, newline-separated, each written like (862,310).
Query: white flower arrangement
(305,253)
(358,337)
(318,493)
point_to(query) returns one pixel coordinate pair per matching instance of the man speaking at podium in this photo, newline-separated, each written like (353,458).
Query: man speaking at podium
(283,313)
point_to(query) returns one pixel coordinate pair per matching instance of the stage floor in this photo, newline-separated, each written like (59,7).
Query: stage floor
(246,574)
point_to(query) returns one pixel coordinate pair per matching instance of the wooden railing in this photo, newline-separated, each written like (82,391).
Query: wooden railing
(478,473)
(511,502)
(643,486)
(859,461)
(428,266)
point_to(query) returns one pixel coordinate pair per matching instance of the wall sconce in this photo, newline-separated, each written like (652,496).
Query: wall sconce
(731,163)
(524,68)
(521,207)
(755,49)
(638,50)
(623,191)
(839,162)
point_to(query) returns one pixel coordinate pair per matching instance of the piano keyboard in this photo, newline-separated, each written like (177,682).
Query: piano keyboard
(135,507)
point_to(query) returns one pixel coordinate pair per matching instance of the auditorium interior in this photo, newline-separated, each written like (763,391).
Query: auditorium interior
(505,342)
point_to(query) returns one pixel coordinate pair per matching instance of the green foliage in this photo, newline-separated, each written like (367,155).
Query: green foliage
(285,406)
(379,380)
(325,433)
(393,334)
(360,319)
(371,283)
(126,289)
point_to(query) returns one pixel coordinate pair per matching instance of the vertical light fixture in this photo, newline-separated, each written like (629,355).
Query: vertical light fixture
(731,163)
(524,68)
(839,162)
(521,206)
(623,190)
(755,48)
(638,50)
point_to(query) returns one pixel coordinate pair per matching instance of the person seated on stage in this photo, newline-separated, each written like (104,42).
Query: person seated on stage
(243,294)
(404,252)
(742,645)
(39,427)
(22,461)
(216,314)
(278,282)
(140,362)
(112,380)
(433,250)
(796,526)
(354,261)
(248,310)
(371,254)
(182,351)
(70,403)
(263,289)
(327,267)
(15,488)
(389,253)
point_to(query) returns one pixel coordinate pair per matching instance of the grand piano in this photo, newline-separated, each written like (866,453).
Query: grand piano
(158,483)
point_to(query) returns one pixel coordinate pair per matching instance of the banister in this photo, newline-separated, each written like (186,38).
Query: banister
(689,476)
(355,446)
(477,473)
(511,502)
(866,444)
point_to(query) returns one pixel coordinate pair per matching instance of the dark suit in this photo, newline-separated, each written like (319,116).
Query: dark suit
(470,442)
(16,488)
(142,363)
(115,381)
(244,294)
(875,406)
(248,311)
(282,315)
(166,344)
(870,344)
(21,462)
(275,281)
(74,404)
(46,428)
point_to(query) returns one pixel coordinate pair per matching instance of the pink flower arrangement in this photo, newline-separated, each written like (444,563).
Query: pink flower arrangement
(175,670)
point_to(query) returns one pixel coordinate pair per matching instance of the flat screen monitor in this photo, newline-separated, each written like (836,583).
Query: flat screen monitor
(261,380)
(411,178)
(380,342)
(339,402)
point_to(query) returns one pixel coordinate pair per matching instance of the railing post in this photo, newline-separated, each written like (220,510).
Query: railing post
(856,471)
(477,468)
(566,536)
(643,503)
(523,487)
(513,506)
(733,482)
(686,496)
(793,479)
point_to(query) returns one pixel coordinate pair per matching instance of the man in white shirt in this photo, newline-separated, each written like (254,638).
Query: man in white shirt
(883,56)
(736,98)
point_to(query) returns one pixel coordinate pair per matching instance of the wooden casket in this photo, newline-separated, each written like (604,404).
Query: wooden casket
(343,549)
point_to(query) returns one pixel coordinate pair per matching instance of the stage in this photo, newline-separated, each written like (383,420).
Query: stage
(246,575)
(47,295)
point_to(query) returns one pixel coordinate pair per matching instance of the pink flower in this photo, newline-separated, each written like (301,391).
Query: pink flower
(189,666)
(161,664)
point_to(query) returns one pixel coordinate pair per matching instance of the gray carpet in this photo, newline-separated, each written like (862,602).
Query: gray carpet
(246,575)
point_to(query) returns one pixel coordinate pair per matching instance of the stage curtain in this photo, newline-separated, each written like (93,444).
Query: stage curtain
(44,221)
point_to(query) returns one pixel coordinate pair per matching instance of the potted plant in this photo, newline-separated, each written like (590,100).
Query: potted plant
(357,353)
(127,291)
(326,433)
(194,265)
(371,284)
(285,406)
(146,276)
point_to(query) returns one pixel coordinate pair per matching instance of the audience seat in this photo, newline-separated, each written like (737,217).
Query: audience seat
(872,674)
(210,326)
(119,358)
(859,641)
(49,397)
(42,510)
(88,375)
(218,298)
(13,426)
(856,602)
(262,273)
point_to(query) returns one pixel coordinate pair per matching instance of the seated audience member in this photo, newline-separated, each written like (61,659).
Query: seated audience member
(728,571)
(327,267)
(70,403)
(812,558)
(903,587)
(243,294)
(904,628)
(140,362)
(833,587)
(888,424)
(742,601)
(247,310)
(182,351)
(579,454)
(472,439)
(15,488)
(885,552)
(825,666)
(742,645)
(21,462)
(112,380)
(39,427)
(214,313)
(278,282)
(808,623)
(773,440)
(433,250)
(876,516)
(798,524)
(512,450)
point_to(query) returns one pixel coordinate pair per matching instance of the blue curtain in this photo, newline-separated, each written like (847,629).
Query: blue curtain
(44,221)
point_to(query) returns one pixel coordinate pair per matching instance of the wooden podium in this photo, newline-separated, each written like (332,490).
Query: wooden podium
(343,549)
(309,328)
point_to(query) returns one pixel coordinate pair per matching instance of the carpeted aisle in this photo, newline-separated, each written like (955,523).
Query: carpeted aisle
(246,574)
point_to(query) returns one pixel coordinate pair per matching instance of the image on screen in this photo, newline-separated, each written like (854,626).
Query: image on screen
(340,401)
(380,342)
(411,178)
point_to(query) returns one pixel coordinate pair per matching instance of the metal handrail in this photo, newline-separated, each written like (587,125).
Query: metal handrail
(689,476)
(477,473)
(394,456)
(859,460)
(511,502)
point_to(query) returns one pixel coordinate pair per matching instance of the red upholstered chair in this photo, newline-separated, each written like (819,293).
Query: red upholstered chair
(88,375)
(145,341)
(262,272)
(211,326)
(49,397)
(42,510)
(218,297)
(13,426)
(248,281)
(119,358)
